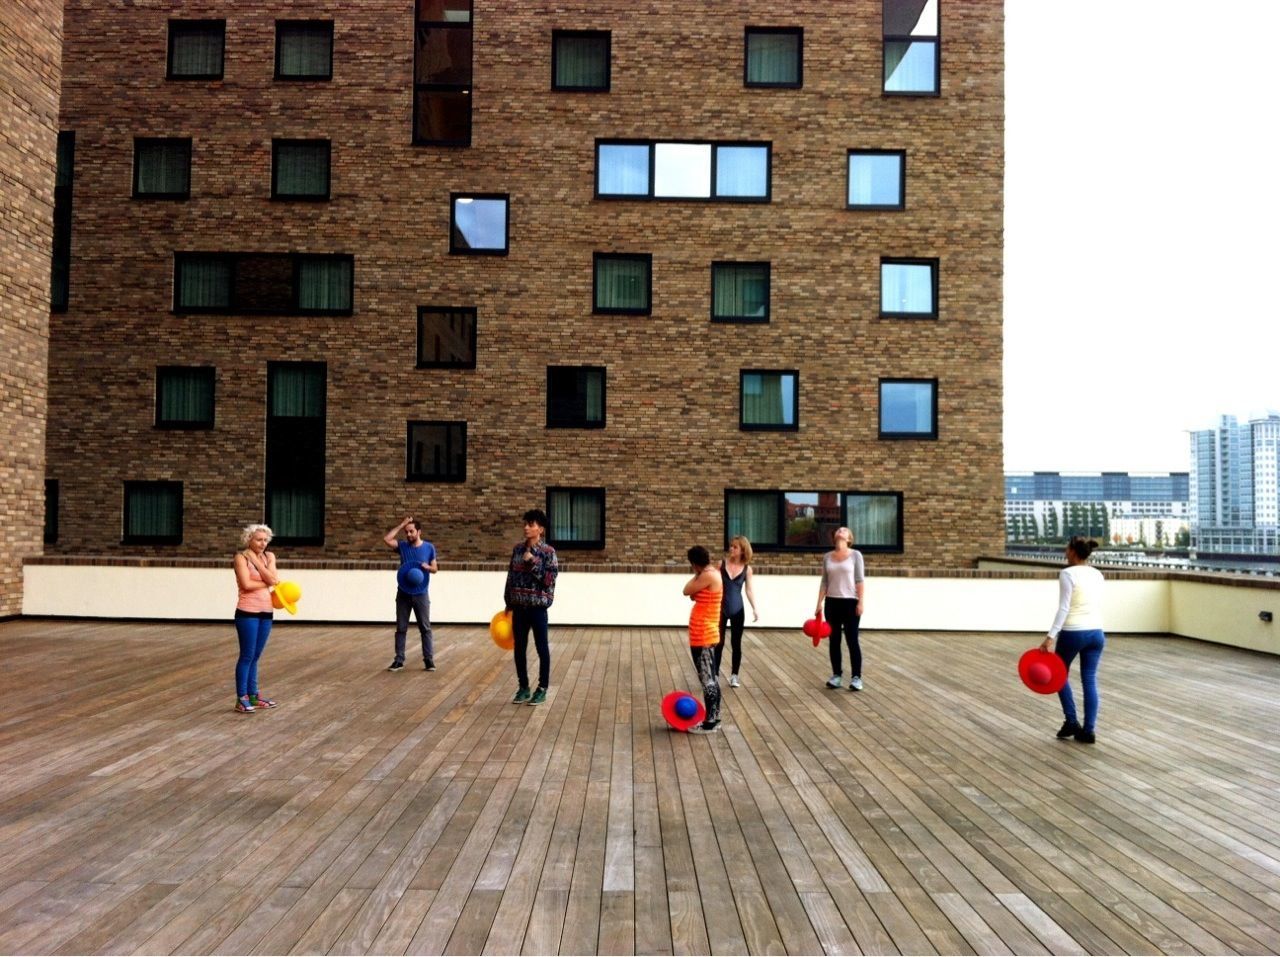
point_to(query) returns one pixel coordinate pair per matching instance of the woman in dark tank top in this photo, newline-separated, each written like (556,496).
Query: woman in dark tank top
(735,572)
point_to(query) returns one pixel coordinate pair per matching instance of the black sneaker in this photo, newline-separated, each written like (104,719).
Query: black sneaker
(1083,736)
(396,666)
(707,727)
(429,664)
(1069,729)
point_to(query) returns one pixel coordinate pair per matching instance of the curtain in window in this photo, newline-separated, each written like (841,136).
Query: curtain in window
(296,513)
(186,395)
(766,399)
(302,169)
(197,53)
(575,517)
(296,392)
(909,66)
(324,284)
(874,519)
(593,390)
(622,283)
(581,62)
(163,168)
(906,287)
(874,180)
(772,58)
(742,170)
(154,511)
(204,283)
(305,50)
(740,291)
(755,515)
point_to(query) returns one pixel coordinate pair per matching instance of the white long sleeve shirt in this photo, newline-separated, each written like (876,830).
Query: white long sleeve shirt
(1079,600)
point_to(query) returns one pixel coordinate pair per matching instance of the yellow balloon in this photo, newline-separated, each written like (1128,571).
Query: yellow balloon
(500,631)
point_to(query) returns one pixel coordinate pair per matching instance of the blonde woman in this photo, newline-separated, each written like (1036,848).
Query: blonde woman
(255,577)
(840,596)
(735,573)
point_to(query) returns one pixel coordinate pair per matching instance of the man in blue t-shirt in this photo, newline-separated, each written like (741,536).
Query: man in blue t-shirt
(417,565)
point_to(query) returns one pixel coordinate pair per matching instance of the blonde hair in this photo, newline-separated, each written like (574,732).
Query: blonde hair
(848,534)
(249,531)
(744,546)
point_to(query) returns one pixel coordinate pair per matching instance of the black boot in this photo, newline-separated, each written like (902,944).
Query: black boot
(1069,729)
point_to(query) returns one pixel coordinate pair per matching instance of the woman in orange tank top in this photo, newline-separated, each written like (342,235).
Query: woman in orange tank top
(705,590)
(255,577)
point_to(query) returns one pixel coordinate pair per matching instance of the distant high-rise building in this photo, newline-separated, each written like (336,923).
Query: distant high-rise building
(1234,492)
(1120,507)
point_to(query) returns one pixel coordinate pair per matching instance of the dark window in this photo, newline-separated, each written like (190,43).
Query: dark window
(478,224)
(50,511)
(437,452)
(622,283)
(774,520)
(912,47)
(195,49)
(263,283)
(576,517)
(152,513)
(769,400)
(295,461)
(773,57)
(575,397)
(442,73)
(299,169)
(161,168)
(644,169)
(580,60)
(909,288)
(184,397)
(60,276)
(877,179)
(304,49)
(908,408)
(446,337)
(740,292)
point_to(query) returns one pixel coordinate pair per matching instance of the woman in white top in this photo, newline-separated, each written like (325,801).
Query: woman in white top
(1077,629)
(840,596)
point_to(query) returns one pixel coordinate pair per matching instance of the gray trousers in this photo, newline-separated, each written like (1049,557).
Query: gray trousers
(421,606)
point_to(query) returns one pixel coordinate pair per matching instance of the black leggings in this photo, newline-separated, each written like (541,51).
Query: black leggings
(842,615)
(735,623)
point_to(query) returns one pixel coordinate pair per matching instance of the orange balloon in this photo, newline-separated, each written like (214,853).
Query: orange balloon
(500,631)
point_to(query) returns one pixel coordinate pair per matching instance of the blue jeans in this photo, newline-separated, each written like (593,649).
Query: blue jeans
(253,633)
(1088,645)
(421,608)
(522,621)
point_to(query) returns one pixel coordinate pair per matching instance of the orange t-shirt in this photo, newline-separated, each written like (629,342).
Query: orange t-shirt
(704,620)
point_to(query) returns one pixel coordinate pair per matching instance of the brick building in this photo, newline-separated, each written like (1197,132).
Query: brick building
(670,272)
(30,72)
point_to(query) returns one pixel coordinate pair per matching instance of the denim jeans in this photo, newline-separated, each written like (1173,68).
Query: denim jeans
(1088,645)
(253,633)
(522,620)
(421,607)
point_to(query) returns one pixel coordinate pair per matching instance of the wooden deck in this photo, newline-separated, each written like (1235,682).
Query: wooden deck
(421,813)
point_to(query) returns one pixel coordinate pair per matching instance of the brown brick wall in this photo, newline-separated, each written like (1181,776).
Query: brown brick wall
(672,443)
(30,61)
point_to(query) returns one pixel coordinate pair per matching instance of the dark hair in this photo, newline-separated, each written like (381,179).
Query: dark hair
(1081,548)
(537,515)
(415,523)
(699,557)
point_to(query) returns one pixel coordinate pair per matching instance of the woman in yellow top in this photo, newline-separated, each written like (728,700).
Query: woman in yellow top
(704,590)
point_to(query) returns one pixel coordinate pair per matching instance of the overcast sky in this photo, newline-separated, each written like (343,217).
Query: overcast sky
(1142,199)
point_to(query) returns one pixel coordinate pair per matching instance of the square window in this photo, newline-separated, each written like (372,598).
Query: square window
(161,168)
(444,55)
(575,517)
(773,57)
(478,224)
(753,515)
(446,337)
(877,179)
(201,282)
(575,397)
(325,284)
(811,518)
(769,400)
(909,288)
(908,408)
(437,452)
(184,397)
(299,169)
(622,283)
(875,518)
(580,60)
(740,292)
(442,117)
(152,513)
(195,49)
(742,172)
(50,511)
(304,49)
(622,169)
(912,50)
(682,170)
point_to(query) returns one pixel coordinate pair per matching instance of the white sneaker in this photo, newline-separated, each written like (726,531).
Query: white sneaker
(833,681)
(734,682)
(855,683)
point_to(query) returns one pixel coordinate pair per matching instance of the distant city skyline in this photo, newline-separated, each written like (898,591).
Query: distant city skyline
(1138,202)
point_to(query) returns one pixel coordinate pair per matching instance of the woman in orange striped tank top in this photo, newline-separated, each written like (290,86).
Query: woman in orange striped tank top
(705,590)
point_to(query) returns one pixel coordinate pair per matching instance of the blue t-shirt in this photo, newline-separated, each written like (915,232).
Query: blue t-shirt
(426,552)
